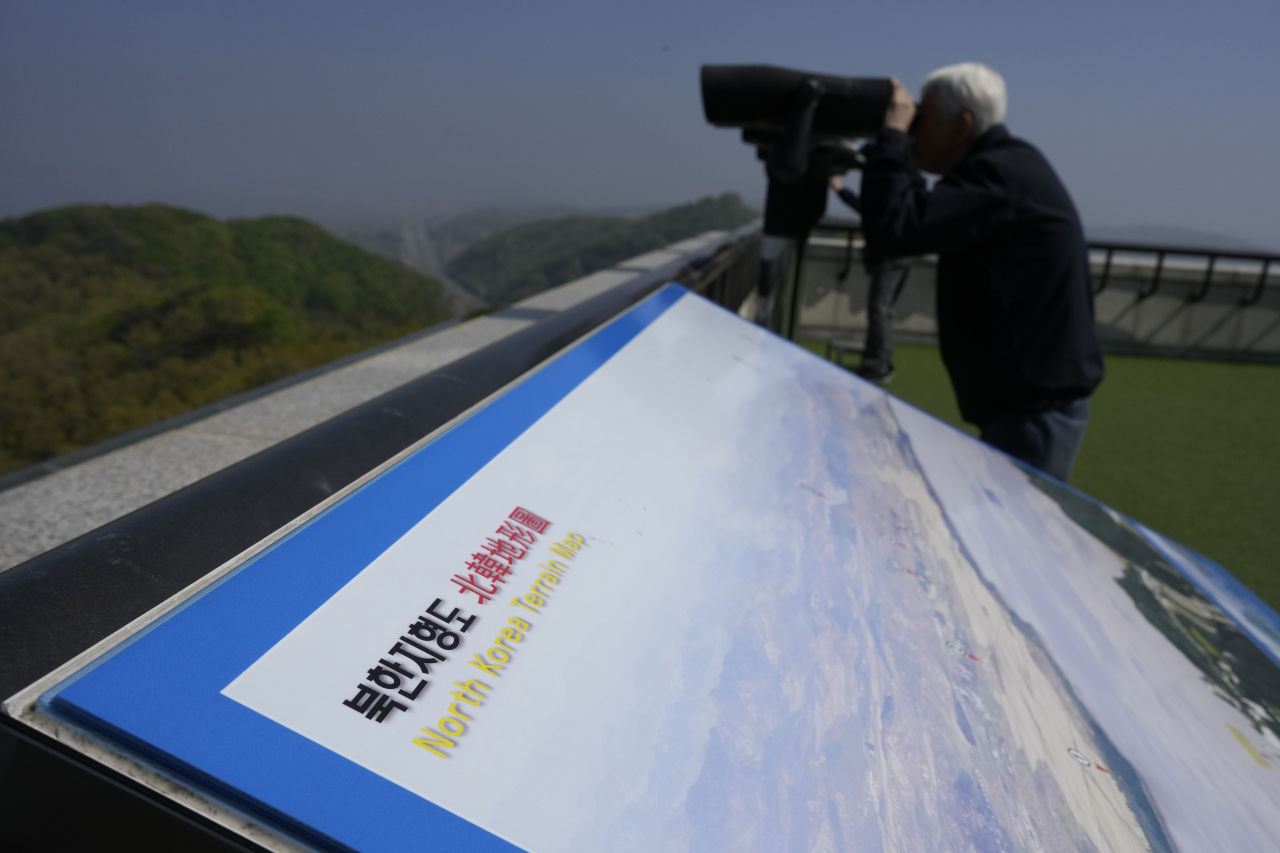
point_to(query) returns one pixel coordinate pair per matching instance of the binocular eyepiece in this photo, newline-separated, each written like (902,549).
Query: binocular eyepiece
(798,123)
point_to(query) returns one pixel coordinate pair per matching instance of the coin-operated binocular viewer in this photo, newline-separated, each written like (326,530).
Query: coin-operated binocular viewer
(801,125)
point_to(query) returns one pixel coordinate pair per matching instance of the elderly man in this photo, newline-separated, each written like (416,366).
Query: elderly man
(1015,309)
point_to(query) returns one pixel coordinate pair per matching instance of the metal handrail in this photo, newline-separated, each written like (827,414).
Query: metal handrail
(1193,251)
(1213,256)
(1110,248)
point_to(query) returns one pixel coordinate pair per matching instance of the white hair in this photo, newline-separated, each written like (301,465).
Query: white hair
(969,87)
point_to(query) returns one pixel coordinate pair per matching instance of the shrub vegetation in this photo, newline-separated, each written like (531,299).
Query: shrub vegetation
(115,317)
(520,261)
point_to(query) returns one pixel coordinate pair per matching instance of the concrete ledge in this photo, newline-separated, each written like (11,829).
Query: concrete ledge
(72,496)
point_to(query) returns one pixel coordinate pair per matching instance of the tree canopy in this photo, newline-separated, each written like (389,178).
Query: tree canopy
(115,317)
(520,261)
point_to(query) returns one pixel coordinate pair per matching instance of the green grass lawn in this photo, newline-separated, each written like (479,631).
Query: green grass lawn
(1189,448)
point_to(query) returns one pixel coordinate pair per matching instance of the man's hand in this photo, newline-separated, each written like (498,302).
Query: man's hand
(836,183)
(902,107)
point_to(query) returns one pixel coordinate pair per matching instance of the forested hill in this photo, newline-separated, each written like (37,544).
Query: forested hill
(520,261)
(115,317)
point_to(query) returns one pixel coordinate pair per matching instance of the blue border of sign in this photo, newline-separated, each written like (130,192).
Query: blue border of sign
(1253,616)
(160,693)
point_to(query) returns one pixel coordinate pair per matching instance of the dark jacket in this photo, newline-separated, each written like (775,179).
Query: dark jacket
(1015,308)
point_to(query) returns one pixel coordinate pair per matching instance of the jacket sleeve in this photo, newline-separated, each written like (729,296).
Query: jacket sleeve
(850,198)
(901,216)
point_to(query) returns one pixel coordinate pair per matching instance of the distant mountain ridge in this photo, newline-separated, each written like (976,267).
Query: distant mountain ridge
(530,257)
(115,317)
(451,233)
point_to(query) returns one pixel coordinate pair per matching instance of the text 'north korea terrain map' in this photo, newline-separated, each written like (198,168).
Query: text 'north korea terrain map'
(692,588)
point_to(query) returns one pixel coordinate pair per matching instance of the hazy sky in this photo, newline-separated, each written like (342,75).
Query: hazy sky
(1154,113)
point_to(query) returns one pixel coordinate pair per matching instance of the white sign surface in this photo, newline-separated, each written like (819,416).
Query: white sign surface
(748,602)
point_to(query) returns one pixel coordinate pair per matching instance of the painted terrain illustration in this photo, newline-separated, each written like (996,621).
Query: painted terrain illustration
(805,616)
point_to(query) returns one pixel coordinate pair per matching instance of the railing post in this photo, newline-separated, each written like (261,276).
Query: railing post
(793,320)
(1106,272)
(1203,290)
(1155,281)
(1252,298)
(848,258)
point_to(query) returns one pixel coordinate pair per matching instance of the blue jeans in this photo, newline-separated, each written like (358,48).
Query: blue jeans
(1047,440)
(886,281)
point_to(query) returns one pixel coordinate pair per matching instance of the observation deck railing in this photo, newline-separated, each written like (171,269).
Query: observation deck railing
(1180,301)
